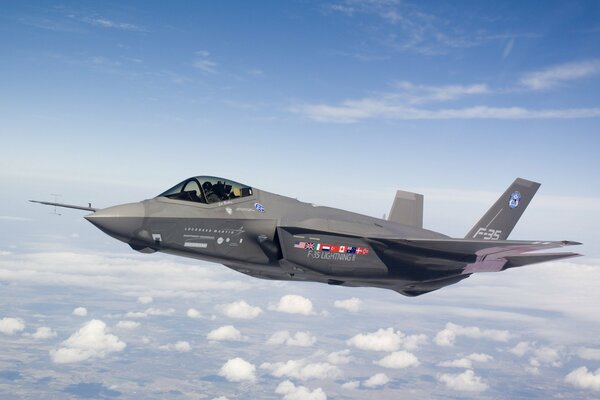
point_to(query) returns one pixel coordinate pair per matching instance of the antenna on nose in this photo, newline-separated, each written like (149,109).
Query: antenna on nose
(54,211)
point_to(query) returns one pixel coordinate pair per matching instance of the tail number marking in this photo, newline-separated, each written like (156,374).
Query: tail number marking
(487,234)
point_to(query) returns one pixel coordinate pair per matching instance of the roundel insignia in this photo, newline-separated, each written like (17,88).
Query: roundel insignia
(515,197)
(259,207)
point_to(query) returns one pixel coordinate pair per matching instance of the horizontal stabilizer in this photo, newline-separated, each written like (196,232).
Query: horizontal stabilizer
(526,259)
(407,209)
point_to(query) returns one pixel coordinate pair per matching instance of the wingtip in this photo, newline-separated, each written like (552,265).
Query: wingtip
(570,243)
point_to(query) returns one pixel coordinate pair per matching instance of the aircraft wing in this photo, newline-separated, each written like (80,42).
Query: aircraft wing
(475,255)
(410,266)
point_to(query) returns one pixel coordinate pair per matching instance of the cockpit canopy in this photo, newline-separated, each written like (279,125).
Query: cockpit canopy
(207,190)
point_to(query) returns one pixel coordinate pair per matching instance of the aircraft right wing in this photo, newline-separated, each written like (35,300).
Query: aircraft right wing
(474,255)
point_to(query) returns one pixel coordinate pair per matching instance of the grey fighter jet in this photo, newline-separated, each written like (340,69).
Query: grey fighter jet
(269,236)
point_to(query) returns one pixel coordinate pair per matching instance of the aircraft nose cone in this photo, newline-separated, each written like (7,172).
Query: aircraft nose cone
(120,221)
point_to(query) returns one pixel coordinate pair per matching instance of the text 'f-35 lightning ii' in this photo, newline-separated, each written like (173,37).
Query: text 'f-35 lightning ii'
(269,236)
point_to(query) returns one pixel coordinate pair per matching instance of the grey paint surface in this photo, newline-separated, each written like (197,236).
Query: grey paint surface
(270,236)
(407,209)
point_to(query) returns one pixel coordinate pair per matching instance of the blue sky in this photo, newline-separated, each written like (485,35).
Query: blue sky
(338,103)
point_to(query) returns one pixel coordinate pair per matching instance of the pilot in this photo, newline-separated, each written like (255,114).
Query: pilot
(222,190)
(211,196)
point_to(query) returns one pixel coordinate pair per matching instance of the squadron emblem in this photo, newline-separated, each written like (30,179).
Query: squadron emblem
(515,197)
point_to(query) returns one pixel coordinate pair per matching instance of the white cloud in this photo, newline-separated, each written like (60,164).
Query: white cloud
(136,314)
(520,349)
(447,336)
(80,311)
(204,63)
(589,354)
(293,392)
(480,357)
(376,380)
(414,102)
(92,340)
(300,339)
(129,274)
(545,355)
(127,324)
(464,382)
(351,385)
(193,313)
(508,48)
(181,346)
(279,337)
(406,27)
(556,75)
(463,363)
(381,340)
(537,285)
(145,299)
(10,326)
(107,23)
(237,370)
(224,333)
(159,311)
(422,94)
(353,304)
(150,311)
(355,110)
(584,379)
(340,357)
(398,360)
(43,332)
(240,310)
(533,367)
(413,342)
(294,304)
(302,369)
(466,362)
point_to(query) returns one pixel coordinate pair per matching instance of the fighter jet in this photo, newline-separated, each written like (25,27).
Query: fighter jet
(269,236)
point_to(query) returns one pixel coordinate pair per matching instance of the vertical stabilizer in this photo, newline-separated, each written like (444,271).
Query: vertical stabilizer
(502,217)
(407,209)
